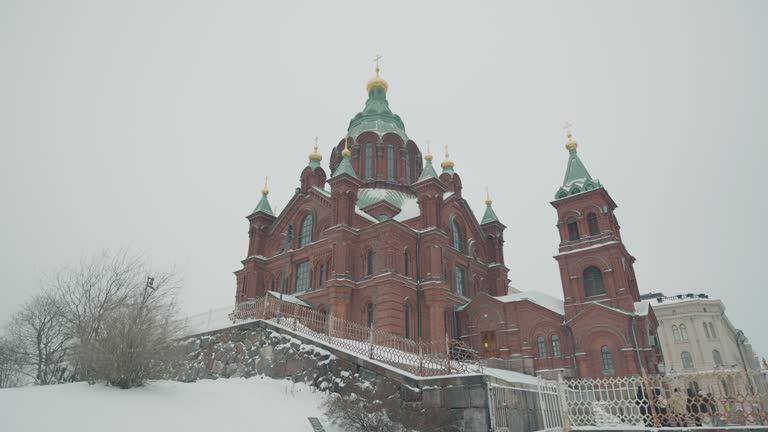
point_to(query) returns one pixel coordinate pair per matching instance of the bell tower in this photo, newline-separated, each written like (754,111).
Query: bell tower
(595,265)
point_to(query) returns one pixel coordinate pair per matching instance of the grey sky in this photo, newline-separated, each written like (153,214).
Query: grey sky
(152,124)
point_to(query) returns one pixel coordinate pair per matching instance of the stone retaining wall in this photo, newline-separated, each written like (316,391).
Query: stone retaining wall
(262,348)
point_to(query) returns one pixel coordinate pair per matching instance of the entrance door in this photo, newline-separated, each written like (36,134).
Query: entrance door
(488,344)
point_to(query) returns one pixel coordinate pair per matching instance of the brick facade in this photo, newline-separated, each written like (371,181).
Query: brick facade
(391,240)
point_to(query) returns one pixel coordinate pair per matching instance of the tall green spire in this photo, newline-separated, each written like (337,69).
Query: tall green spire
(429,170)
(490,215)
(263,205)
(577,178)
(376,116)
(345,167)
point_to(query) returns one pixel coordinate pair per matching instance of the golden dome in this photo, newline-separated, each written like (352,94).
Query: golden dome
(377,81)
(346,152)
(265,189)
(428,156)
(571,144)
(315,156)
(447,163)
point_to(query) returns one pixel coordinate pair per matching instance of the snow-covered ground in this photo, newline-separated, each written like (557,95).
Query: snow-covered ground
(253,404)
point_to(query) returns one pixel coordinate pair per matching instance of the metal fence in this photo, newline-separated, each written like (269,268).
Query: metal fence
(507,410)
(716,398)
(421,358)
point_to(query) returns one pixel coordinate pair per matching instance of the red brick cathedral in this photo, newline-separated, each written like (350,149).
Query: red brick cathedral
(388,242)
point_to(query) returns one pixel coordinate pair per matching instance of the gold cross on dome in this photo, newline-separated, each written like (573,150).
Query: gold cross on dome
(315,143)
(568,128)
(376,59)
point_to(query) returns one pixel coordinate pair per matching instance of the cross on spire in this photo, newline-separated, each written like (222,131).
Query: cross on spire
(376,60)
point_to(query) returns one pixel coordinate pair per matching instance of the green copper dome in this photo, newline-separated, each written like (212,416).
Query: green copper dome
(377,117)
(577,178)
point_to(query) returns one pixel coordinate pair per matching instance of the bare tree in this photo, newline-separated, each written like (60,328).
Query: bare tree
(9,365)
(39,341)
(88,294)
(136,341)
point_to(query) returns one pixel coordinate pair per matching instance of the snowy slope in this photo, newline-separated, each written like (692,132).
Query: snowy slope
(254,404)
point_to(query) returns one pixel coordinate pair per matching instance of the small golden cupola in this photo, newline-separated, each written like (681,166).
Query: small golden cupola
(377,81)
(447,164)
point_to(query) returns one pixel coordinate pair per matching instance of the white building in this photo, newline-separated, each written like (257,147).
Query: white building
(697,336)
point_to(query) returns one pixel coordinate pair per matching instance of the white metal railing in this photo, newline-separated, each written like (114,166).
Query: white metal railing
(421,358)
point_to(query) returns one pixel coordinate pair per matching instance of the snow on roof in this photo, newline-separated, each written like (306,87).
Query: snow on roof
(642,308)
(289,298)
(322,191)
(409,209)
(365,215)
(539,298)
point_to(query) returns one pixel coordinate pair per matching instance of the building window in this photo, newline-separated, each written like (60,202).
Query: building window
(712,330)
(406,258)
(289,235)
(369,160)
(407,320)
(541,346)
(457,241)
(593,282)
(302,276)
(605,354)
(305,231)
(706,330)
(573,229)
(407,168)
(592,224)
(459,281)
(555,346)
(717,358)
(369,315)
(683,333)
(676,333)
(390,162)
(370,263)
(687,360)
(321,281)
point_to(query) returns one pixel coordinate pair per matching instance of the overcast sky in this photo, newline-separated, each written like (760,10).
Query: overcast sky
(151,125)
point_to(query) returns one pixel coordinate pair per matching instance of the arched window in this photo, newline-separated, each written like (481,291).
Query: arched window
(406,259)
(457,240)
(687,360)
(676,333)
(605,354)
(706,331)
(407,320)
(683,332)
(369,160)
(593,282)
(573,229)
(305,231)
(289,236)
(541,346)
(717,358)
(555,346)
(460,281)
(724,386)
(369,271)
(322,275)
(592,224)
(390,162)
(302,276)
(407,169)
(369,315)
(712,330)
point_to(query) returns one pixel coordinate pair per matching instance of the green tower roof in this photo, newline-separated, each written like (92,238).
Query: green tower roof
(376,116)
(263,205)
(577,178)
(345,167)
(489,216)
(429,170)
